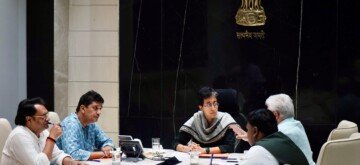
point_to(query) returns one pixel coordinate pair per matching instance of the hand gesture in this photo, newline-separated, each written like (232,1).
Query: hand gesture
(240,133)
(195,147)
(107,151)
(55,131)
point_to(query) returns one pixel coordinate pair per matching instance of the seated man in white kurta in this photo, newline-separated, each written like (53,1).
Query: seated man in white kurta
(30,143)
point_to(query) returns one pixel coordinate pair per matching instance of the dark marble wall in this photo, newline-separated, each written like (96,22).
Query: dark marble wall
(169,49)
(40,51)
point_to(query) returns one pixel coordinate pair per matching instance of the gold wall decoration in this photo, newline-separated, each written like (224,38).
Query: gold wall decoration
(251,13)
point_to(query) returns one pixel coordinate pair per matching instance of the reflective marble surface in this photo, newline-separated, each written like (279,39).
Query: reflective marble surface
(168,50)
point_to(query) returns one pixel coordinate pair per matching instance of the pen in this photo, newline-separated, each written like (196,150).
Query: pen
(211,158)
(54,124)
(231,159)
(94,160)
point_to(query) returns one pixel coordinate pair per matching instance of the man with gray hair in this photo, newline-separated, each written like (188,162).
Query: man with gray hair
(283,108)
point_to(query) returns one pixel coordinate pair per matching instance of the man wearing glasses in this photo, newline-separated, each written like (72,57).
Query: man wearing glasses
(30,142)
(82,138)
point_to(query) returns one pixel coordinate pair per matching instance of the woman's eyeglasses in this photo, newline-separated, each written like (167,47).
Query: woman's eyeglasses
(208,105)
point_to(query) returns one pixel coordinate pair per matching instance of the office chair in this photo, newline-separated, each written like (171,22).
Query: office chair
(53,118)
(5,129)
(228,102)
(355,135)
(344,130)
(341,151)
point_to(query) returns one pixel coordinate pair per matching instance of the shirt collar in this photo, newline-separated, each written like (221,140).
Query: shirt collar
(287,120)
(32,134)
(75,116)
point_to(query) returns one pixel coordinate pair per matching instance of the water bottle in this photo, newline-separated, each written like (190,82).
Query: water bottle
(116,158)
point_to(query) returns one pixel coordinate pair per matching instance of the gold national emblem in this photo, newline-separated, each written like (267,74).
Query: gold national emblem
(251,13)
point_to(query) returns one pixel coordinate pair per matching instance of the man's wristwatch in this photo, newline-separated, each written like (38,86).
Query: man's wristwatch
(207,149)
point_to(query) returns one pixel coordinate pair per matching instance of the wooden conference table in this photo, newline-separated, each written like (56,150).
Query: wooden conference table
(233,158)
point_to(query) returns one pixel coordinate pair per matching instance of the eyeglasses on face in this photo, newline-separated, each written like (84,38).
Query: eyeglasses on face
(208,105)
(44,116)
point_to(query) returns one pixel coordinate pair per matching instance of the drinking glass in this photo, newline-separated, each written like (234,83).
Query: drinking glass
(155,144)
(194,157)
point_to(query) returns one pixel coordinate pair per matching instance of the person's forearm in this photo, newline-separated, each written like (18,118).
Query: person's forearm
(48,149)
(214,150)
(69,161)
(97,155)
(182,148)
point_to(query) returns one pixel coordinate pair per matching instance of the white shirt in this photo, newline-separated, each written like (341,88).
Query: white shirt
(296,132)
(24,147)
(258,155)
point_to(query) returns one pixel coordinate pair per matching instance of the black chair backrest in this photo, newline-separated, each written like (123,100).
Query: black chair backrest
(228,100)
